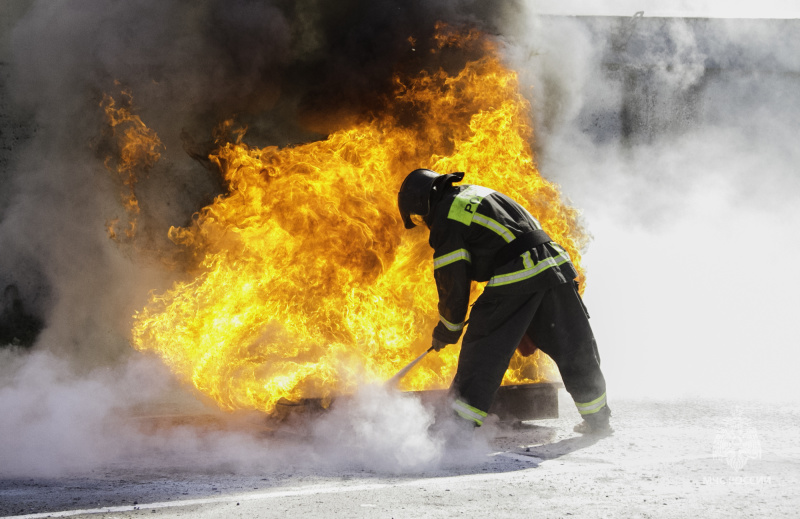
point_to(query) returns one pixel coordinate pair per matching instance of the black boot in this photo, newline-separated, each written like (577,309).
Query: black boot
(596,424)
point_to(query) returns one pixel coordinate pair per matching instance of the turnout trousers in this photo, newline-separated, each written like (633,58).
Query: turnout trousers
(556,321)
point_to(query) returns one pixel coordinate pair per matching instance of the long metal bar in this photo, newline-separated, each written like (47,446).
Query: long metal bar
(392,382)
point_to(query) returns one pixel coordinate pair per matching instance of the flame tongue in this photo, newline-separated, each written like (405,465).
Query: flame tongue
(137,150)
(307,283)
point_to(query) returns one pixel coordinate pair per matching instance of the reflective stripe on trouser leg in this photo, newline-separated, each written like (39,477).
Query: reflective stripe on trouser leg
(591,407)
(468,412)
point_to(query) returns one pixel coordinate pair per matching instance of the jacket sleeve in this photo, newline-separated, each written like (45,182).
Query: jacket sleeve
(453,284)
(452,264)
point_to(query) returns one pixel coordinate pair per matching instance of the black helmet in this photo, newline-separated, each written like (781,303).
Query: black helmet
(414,196)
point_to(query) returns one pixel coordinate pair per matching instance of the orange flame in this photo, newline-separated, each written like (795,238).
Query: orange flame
(136,152)
(307,283)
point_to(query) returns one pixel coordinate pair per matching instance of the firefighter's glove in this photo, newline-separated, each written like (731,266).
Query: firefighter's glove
(437,344)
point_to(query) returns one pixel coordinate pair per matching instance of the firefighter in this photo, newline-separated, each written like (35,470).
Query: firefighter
(483,235)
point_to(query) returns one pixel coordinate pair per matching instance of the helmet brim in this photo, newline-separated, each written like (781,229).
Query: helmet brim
(407,220)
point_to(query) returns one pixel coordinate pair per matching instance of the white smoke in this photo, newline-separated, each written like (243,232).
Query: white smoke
(693,216)
(380,428)
(134,415)
(393,432)
(54,422)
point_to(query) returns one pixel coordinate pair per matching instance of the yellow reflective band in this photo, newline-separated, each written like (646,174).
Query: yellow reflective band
(520,275)
(447,259)
(526,260)
(494,226)
(468,412)
(593,406)
(466,203)
(451,326)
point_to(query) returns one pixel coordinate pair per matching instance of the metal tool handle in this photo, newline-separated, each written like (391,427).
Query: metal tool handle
(392,382)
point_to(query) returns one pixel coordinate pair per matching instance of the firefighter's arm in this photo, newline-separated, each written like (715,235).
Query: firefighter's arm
(452,263)
(453,284)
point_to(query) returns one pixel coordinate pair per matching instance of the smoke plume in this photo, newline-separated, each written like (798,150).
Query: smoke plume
(674,136)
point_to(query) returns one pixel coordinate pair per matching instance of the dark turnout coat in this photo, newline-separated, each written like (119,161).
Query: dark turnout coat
(468,227)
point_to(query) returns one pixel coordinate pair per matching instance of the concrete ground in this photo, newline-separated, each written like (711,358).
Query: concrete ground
(672,459)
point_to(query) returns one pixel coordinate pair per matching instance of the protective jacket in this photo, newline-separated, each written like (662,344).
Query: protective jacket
(468,226)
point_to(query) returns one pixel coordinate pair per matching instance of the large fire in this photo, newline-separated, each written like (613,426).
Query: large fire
(306,284)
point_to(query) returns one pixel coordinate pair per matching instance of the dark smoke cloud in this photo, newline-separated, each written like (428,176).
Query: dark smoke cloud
(203,62)
(288,70)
